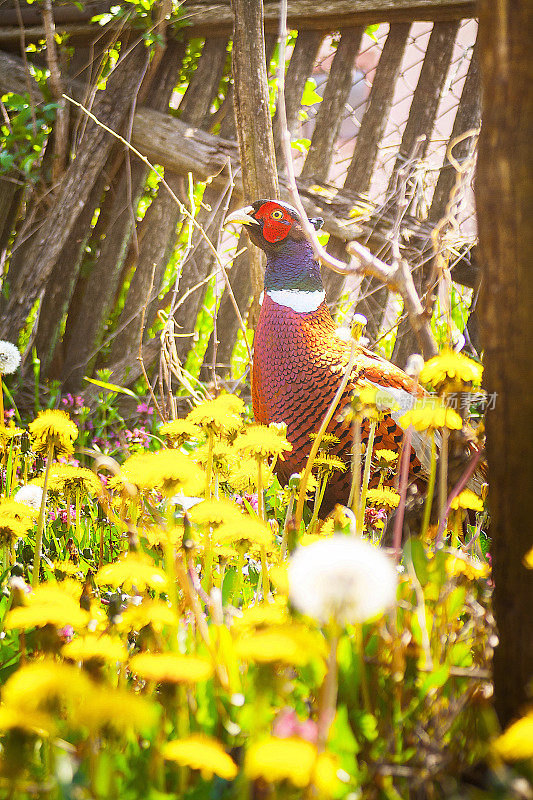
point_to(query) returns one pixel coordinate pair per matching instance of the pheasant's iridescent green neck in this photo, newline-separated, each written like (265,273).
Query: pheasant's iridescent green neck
(293,267)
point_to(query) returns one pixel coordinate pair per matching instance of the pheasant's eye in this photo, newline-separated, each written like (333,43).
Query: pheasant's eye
(277,214)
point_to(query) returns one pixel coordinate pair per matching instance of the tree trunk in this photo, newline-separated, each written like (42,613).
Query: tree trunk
(504,192)
(256,143)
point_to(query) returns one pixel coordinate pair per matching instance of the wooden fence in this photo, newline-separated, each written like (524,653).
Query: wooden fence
(392,100)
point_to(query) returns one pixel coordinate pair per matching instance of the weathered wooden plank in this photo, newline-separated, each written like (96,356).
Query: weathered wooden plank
(427,94)
(468,116)
(329,115)
(215,19)
(332,14)
(299,69)
(377,110)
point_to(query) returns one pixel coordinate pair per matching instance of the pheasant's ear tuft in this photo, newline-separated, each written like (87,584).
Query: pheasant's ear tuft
(317,223)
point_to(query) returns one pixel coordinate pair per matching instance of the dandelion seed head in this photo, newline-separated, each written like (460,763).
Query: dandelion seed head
(31,495)
(9,358)
(341,578)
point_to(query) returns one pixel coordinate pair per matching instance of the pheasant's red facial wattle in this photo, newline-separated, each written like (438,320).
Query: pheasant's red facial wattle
(277,221)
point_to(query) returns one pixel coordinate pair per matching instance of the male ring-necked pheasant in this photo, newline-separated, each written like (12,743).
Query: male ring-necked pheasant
(299,359)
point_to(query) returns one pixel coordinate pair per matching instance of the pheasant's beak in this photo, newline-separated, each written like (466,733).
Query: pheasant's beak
(242,216)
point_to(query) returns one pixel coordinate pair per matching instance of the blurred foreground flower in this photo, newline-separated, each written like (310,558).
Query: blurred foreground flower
(516,743)
(342,578)
(294,760)
(167,470)
(130,571)
(171,668)
(451,372)
(201,753)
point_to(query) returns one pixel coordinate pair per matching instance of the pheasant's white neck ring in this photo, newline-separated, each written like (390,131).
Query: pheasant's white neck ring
(300,301)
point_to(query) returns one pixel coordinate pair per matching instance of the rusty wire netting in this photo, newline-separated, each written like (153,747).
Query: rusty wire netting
(364,69)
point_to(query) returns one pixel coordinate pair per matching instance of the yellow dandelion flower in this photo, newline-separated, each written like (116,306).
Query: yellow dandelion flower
(16,510)
(467,499)
(285,644)
(244,529)
(470,568)
(383,497)
(262,614)
(156,536)
(262,441)
(528,559)
(117,483)
(116,710)
(385,457)
(42,684)
(243,475)
(215,512)
(201,753)
(171,668)
(12,529)
(311,538)
(66,568)
(168,470)
(95,648)
(220,416)
(325,774)
(327,441)
(429,414)
(53,427)
(329,463)
(516,743)
(8,434)
(224,552)
(150,612)
(19,719)
(133,570)
(451,371)
(66,478)
(222,454)
(49,605)
(181,430)
(279,577)
(274,759)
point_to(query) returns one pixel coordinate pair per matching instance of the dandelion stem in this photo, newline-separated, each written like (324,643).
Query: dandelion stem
(321,431)
(40,521)
(366,477)
(403,471)
(355,488)
(261,509)
(431,486)
(2,419)
(328,696)
(443,471)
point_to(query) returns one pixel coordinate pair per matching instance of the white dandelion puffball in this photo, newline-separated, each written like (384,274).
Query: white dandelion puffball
(30,495)
(342,578)
(9,358)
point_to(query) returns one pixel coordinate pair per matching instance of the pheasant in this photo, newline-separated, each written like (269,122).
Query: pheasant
(299,358)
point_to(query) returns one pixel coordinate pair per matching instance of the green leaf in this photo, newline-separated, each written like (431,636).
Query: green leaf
(435,679)
(310,95)
(229,585)
(456,600)
(415,553)
(341,738)
(111,387)
(371,30)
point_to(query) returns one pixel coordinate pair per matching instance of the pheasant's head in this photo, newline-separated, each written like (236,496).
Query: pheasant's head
(271,224)
(276,228)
